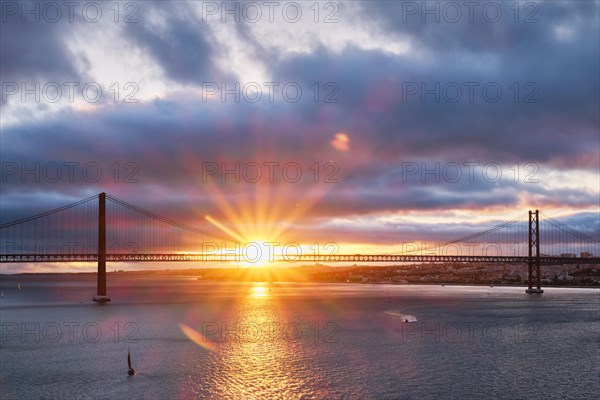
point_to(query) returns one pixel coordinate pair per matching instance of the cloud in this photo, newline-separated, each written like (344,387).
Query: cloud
(340,142)
(32,51)
(368,115)
(176,39)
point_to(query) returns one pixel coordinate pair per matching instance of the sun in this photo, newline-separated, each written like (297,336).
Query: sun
(260,225)
(258,253)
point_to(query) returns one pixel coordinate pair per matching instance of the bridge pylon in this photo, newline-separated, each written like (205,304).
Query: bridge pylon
(533,276)
(101,296)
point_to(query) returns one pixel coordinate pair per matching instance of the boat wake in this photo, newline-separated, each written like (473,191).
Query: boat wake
(402,316)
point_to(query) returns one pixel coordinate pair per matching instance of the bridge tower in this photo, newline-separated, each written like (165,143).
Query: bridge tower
(534,277)
(101,293)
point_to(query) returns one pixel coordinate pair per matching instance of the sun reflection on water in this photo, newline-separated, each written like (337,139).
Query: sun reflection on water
(260,291)
(258,361)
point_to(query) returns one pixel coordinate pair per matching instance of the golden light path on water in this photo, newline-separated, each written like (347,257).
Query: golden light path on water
(257,354)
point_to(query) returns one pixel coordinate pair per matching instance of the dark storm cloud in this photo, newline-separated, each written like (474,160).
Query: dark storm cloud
(32,50)
(35,41)
(559,78)
(169,139)
(173,160)
(480,31)
(181,44)
(166,171)
(586,225)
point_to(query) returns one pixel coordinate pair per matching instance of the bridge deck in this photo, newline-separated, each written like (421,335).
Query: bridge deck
(334,258)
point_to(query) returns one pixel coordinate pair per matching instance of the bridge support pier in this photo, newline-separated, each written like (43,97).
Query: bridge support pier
(101,296)
(534,277)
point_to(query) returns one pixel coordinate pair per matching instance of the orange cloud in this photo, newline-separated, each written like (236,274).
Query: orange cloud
(340,142)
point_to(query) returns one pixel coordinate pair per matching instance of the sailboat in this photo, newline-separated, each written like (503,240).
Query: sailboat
(19,285)
(131,371)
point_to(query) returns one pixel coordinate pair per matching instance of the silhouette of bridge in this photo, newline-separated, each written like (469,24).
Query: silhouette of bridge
(103,228)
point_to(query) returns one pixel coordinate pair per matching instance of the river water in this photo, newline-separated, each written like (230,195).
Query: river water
(227,340)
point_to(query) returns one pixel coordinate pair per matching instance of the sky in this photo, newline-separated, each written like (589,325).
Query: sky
(364,123)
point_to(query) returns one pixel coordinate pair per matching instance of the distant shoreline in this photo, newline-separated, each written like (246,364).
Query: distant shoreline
(300,274)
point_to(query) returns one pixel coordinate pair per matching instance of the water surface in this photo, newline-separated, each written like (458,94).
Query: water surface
(197,339)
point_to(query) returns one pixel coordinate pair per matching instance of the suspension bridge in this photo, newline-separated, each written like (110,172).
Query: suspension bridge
(103,228)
